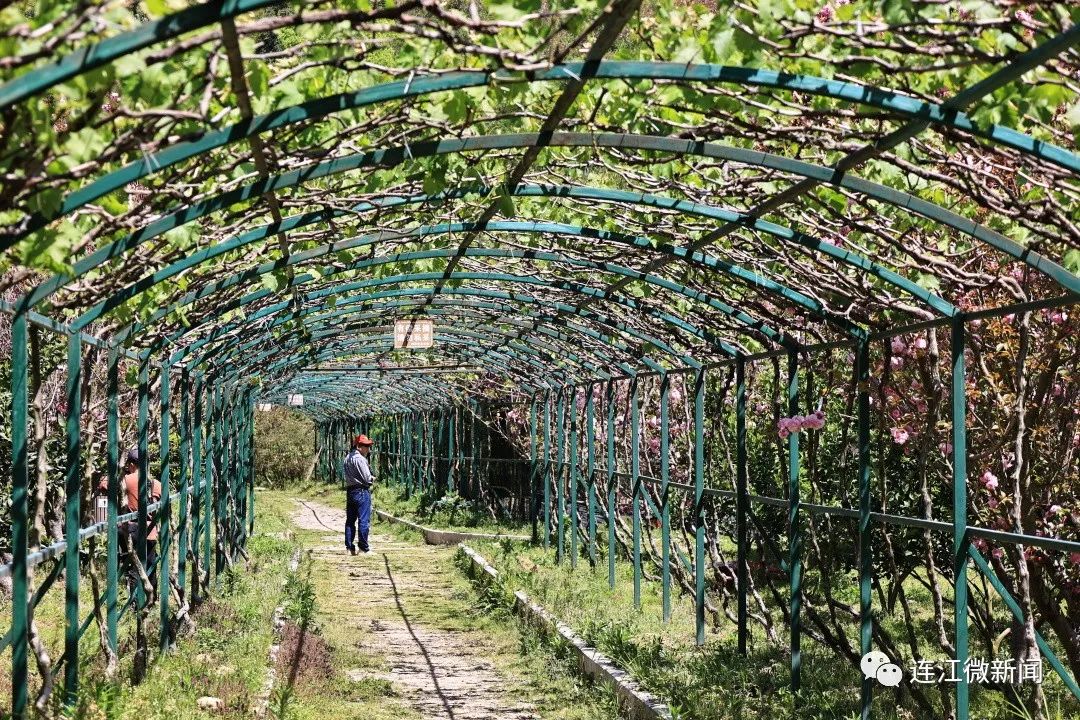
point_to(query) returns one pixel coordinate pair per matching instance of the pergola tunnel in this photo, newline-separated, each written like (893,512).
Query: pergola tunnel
(772,303)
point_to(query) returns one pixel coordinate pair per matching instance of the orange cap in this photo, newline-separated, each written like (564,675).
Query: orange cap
(362,439)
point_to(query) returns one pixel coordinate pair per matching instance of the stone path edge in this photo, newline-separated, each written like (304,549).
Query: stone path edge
(446,537)
(634,702)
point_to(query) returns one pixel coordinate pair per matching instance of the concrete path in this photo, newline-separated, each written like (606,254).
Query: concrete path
(440,672)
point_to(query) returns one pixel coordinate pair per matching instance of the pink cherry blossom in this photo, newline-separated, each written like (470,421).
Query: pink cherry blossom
(896,362)
(825,14)
(945,448)
(898,346)
(1075,558)
(899,436)
(921,343)
(990,480)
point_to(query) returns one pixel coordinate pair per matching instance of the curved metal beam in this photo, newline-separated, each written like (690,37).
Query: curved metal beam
(865,95)
(396,156)
(696,258)
(784,234)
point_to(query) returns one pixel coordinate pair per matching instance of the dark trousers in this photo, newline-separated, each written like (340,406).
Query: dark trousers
(151,568)
(357,512)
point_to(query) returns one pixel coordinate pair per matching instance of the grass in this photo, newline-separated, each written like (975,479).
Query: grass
(712,681)
(224,658)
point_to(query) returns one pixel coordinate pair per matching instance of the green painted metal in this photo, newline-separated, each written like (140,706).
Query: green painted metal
(164,519)
(396,156)
(207,436)
(183,526)
(575,519)
(742,541)
(609,436)
(534,467)
(958,342)
(557,191)
(73,496)
(795,533)
(665,504)
(300,339)
(923,113)
(1014,608)
(112,571)
(198,517)
(590,469)
(220,490)
(246,277)
(560,470)
(91,57)
(548,469)
(699,508)
(19,515)
(866,558)
(635,483)
(143,441)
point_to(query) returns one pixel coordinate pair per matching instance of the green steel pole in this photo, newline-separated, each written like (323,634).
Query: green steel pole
(183,526)
(665,508)
(590,442)
(20,607)
(439,447)
(163,519)
(197,517)
(560,509)
(609,402)
(635,482)
(207,436)
(72,491)
(451,428)
(573,495)
(699,510)
(144,474)
(960,540)
(406,452)
(741,501)
(548,470)
(112,561)
(220,484)
(532,467)
(866,620)
(249,458)
(795,538)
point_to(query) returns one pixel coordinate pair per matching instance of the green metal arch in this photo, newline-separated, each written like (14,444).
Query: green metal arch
(807,242)
(748,277)
(573,287)
(536,360)
(484,252)
(506,363)
(226,356)
(395,156)
(348,308)
(865,95)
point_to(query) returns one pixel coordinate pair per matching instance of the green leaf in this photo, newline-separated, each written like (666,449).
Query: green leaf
(273,281)
(1071,261)
(506,205)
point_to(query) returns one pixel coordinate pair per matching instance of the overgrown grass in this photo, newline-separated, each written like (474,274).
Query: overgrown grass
(713,681)
(226,655)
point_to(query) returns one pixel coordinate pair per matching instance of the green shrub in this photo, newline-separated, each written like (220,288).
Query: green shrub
(284,447)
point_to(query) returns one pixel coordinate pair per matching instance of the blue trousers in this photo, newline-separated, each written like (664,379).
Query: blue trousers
(357,508)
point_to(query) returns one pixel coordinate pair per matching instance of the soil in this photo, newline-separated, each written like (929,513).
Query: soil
(441,673)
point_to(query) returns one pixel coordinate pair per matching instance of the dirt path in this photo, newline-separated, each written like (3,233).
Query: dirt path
(440,672)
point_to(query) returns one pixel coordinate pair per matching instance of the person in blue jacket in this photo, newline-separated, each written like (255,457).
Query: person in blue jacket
(358,481)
